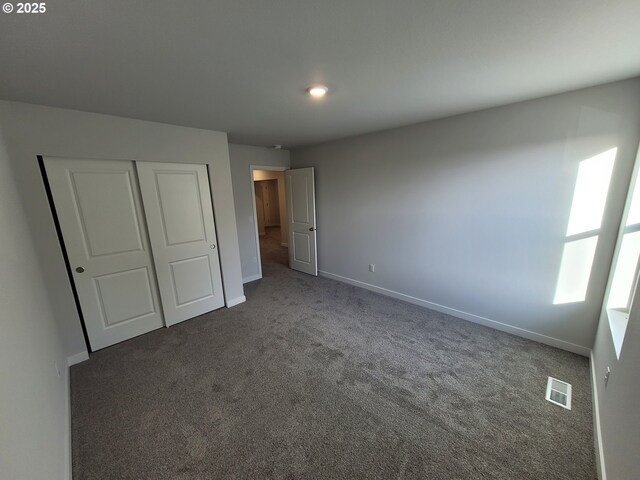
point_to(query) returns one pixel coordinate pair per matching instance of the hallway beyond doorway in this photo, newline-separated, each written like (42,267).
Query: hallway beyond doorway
(272,251)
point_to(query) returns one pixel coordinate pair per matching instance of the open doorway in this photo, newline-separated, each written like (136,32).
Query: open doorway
(269,201)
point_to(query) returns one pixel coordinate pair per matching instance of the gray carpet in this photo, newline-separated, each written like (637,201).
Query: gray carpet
(314,379)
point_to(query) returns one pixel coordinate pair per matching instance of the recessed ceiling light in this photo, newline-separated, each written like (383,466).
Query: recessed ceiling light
(317,91)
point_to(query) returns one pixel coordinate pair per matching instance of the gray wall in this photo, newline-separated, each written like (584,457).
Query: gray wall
(34,431)
(617,417)
(30,130)
(618,412)
(468,214)
(242,157)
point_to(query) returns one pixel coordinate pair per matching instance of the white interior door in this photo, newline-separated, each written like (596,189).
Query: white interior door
(100,214)
(179,212)
(301,209)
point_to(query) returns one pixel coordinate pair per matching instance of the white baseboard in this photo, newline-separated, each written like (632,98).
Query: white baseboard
(251,278)
(77,358)
(521,332)
(600,465)
(236,301)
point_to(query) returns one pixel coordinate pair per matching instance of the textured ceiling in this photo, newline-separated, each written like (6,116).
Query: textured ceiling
(241,66)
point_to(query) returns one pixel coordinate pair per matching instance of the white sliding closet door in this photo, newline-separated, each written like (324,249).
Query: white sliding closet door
(100,214)
(179,212)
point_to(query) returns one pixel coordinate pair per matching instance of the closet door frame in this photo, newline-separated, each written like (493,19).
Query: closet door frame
(73,262)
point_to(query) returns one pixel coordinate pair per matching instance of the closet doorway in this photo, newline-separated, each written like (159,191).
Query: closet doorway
(140,241)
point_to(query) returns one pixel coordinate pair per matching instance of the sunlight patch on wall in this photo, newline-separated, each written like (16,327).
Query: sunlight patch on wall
(575,270)
(590,194)
(585,220)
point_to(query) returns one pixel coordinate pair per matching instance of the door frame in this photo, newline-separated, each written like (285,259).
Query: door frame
(255,213)
(63,248)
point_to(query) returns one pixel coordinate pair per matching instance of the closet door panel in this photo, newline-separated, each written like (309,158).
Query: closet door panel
(179,213)
(100,214)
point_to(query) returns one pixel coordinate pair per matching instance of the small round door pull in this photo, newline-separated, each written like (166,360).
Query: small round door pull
(212,246)
(311,229)
(80,269)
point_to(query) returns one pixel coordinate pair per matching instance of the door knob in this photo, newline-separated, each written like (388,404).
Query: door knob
(80,269)
(212,246)
(311,229)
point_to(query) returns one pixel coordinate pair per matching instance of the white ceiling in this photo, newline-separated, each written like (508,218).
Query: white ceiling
(241,66)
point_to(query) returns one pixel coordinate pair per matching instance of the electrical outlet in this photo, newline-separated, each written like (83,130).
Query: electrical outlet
(606,377)
(372,267)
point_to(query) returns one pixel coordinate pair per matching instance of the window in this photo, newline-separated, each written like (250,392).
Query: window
(625,271)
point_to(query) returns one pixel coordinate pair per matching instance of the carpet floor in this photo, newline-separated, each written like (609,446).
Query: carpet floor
(314,379)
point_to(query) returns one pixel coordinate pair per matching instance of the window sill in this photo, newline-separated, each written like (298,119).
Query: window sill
(618,320)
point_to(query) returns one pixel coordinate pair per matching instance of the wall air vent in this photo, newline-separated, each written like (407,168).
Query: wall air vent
(559,392)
